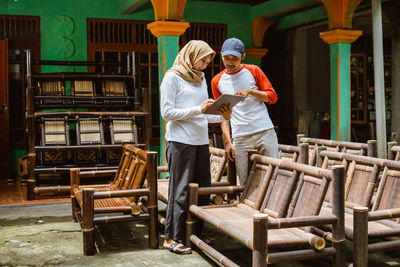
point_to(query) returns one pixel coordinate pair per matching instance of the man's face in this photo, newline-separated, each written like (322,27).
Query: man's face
(232,63)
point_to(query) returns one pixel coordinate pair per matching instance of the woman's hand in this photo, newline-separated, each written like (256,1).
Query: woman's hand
(226,112)
(206,104)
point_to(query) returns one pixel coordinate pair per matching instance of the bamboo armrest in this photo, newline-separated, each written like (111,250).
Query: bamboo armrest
(383,214)
(232,189)
(162,168)
(122,193)
(292,222)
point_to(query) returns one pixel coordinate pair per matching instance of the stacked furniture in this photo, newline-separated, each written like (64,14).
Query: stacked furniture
(80,119)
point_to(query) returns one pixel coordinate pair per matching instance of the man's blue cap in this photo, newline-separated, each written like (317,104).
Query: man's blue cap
(232,46)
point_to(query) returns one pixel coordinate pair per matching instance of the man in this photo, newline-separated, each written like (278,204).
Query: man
(252,128)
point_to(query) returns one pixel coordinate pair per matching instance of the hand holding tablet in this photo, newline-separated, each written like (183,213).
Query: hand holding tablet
(225,99)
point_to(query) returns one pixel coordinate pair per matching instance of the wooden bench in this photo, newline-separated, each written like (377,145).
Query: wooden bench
(118,199)
(218,167)
(364,149)
(362,224)
(259,224)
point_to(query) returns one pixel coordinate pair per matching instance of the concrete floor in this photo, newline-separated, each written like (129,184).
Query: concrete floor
(44,235)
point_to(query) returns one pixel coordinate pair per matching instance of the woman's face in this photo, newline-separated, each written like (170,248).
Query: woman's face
(202,63)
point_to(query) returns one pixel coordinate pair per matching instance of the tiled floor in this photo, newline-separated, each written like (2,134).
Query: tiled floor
(14,193)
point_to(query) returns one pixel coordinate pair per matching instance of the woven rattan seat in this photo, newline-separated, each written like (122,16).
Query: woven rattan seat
(50,88)
(120,198)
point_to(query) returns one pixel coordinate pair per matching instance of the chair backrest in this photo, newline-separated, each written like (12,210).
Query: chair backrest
(114,88)
(89,131)
(288,152)
(309,196)
(51,88)
(361,176)
(123,130)
(256,184)
(55,131)
(304,196)
(218,163)
(387,195)
(334,146)
(82,88)
(279,192)
(132,169)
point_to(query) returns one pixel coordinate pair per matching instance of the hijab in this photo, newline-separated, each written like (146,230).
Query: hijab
(187,57)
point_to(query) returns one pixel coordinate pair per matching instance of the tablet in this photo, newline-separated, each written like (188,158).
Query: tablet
(225,99)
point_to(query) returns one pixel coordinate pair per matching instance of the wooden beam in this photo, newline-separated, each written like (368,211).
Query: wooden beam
(130,6)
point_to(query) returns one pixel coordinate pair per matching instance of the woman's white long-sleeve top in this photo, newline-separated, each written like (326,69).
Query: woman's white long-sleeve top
(180,107)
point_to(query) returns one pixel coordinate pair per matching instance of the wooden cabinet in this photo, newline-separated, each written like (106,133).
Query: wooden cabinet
(81,120)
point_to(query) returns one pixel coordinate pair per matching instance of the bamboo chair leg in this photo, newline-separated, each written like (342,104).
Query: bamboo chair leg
(260,237)
(153,207)
(31,176)
(338,234)
(87,221)
(74,175)
(190,217)
(360,238)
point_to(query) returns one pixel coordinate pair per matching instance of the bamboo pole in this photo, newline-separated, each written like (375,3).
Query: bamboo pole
(360,237)
(338,233)
(260,239)
(390,153)
(190,217)
(212,252)
(303,155)
(87,221)
(74,177)
(372,148)
(152,204)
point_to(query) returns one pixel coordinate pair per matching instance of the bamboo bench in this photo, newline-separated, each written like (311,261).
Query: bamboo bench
(364,149)
(218,166)
(118,201)
(360,224)
(259,222)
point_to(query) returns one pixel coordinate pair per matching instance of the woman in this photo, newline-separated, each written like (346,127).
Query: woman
(184,98)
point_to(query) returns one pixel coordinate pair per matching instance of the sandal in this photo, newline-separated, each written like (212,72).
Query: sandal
(178,250)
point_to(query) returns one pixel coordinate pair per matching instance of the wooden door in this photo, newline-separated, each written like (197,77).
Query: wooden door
(4,122)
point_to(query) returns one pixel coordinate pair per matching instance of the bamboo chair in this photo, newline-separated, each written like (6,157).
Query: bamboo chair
(362,225)
(52,89)
(118,199)
(294,153)
(54,131)
(115,88)
(83,89)
(362,149)
(218,167)
(244,222)
(123,130)
(89,131)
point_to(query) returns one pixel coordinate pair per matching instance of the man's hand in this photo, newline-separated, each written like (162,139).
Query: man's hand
(226,112)
(230,151)
(244,92)
(206,104)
